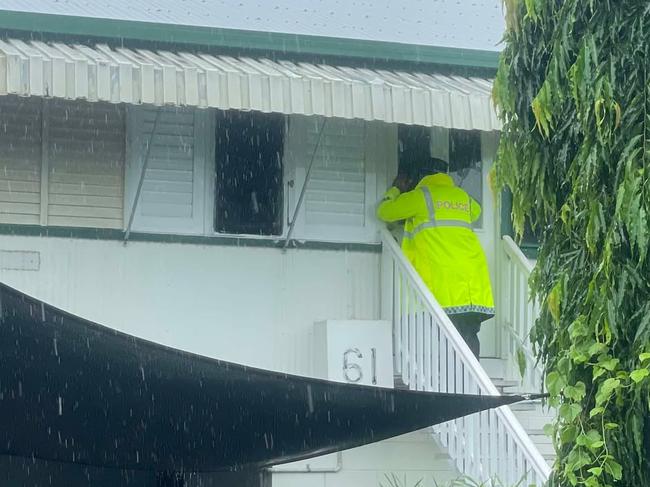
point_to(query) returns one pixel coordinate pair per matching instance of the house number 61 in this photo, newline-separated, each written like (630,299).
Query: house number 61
(353,371)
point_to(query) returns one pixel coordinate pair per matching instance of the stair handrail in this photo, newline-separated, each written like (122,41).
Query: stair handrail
(476,371)
(520,326)
(514,251)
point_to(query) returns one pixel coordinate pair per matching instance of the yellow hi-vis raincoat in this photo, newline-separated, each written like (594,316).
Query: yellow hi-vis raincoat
(439,242)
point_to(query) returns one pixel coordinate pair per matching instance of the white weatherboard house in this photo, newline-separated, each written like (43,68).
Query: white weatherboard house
(204,174)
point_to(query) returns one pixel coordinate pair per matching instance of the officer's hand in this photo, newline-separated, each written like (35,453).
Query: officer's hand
(402,182)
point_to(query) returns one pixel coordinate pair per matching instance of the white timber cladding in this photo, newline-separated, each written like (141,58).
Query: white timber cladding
(172,198)
(20,160)
(85,153)
(79,164)
(140,76)
(348,173)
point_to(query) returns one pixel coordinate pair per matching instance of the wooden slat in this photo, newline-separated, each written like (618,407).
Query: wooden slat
(19,197)
(86,200)
(18,172)
(169,210)
(167,175)
(90,179)
(166,187)
(20,208)
(169,183)
(85,211)
(19,218)
(86,149)
(82,188)
(336,191)
(337,207)
(19,186)
(20,160)
(75,221)
(166,197)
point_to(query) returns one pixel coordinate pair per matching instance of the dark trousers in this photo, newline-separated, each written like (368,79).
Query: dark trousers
(468,325)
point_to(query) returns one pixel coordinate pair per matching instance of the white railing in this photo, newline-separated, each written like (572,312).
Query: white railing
(430,355)
(517,313)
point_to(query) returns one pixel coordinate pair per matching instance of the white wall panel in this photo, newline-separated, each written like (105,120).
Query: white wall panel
(249,305)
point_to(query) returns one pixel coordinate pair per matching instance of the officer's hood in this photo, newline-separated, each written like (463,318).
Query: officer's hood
(438,179)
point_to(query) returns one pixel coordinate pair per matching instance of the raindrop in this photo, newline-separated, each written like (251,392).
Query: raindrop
(310,399)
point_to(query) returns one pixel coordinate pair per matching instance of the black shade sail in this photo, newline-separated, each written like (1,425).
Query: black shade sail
(75,391)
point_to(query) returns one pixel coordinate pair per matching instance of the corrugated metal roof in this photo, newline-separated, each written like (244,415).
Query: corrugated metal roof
(121,75)
(462,24)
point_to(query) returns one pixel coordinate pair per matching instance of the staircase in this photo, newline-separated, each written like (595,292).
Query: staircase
(517,314)
(430,355)
(532,415)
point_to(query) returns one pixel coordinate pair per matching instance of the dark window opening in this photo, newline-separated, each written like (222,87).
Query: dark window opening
(464,157)
(464,150)
(249,197)
(414,149)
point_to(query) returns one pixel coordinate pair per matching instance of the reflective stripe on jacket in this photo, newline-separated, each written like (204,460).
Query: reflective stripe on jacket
(439,242)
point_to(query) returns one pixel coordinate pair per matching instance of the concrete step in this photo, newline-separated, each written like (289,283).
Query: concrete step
(494,367)
(398,382)
(505,386)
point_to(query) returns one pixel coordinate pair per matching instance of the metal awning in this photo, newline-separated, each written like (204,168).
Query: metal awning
(77,392)
(140,76)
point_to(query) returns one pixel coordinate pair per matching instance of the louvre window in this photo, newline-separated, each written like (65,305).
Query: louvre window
(85,154)
(20,160)
(346,179)
(172,196)
(61,163)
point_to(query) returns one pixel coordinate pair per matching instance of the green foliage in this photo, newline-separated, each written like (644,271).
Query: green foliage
(573,93)
(392,480)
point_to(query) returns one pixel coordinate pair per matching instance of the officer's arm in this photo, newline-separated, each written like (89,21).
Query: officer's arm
(474,209)
(396,206)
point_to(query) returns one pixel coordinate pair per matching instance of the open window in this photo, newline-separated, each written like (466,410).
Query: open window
(461,148)
(248,184)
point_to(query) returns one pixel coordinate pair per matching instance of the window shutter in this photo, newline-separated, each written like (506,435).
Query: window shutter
(341,193)
(85,143)
(336,193)
(172,195)
(20,160)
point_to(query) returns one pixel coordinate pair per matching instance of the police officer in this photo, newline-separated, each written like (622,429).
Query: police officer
(438,240)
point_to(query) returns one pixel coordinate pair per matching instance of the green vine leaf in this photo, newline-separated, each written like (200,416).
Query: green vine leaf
(606,390)
(639,374)
(573,93)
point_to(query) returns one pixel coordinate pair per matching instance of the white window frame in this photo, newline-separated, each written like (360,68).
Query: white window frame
(380,150)
(440,149)
(203,147)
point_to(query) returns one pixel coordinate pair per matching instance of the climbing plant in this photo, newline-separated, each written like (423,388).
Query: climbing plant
(572,92)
